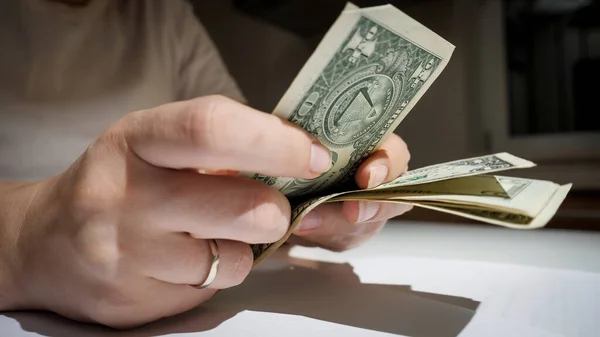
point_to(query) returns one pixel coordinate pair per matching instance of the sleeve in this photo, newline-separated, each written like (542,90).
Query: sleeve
(199,66)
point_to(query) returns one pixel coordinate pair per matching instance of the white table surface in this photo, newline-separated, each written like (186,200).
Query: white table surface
(419,280)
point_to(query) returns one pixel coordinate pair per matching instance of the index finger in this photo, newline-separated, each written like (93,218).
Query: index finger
(216,133)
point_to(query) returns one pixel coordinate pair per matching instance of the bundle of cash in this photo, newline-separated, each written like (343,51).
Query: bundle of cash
(367,73)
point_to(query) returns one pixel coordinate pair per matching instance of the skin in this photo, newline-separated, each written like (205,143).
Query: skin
(118,238)
(346,225)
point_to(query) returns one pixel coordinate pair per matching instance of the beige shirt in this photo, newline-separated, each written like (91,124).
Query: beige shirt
(66,73)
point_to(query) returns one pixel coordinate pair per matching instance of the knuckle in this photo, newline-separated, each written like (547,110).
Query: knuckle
(90,200)
(204,123)
(98,247)
(268,214)
(91,195)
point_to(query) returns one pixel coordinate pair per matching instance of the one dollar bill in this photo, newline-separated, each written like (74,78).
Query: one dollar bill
(463,188)
(365,76)
(368,72)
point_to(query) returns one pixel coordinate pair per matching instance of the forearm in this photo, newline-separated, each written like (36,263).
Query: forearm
(15,201)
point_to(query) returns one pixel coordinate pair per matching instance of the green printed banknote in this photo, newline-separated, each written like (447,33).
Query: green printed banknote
(368,72)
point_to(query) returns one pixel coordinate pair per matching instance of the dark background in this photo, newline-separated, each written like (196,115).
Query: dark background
(547,60)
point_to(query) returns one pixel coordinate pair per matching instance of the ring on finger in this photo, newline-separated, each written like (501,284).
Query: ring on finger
(212,274)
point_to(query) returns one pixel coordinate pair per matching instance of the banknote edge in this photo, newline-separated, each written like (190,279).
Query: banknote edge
(552,207)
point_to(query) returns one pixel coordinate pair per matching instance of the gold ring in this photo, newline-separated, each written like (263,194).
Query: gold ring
(212,274)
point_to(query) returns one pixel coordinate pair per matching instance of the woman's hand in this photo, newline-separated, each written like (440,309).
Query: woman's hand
(119,237)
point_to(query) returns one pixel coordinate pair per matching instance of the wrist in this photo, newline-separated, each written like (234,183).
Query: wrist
(16,202)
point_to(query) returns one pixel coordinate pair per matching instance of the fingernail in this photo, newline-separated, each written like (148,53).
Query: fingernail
(377,175)
(367,210)
(320,158)
(311,221)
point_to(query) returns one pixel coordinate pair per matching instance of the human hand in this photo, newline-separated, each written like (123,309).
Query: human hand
(345,225)
(119,237)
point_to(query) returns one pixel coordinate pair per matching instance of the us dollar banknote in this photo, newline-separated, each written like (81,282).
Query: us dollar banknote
(365,76)
(368,72)
(465,188)
(488,211)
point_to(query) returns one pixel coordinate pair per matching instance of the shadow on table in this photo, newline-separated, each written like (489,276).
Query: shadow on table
(324,291)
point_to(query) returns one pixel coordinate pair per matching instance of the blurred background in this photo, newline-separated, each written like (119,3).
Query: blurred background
(523,79)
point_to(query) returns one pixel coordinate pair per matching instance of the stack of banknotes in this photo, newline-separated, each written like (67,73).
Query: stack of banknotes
(368,72)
